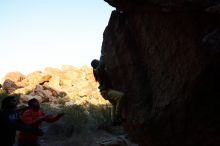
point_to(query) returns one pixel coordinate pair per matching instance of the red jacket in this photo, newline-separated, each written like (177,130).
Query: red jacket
(31,118)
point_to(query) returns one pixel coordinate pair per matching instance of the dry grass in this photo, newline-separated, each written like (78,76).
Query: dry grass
(77,127)
(80,126)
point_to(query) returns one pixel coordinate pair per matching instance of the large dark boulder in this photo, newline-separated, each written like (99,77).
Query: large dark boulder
(165,55)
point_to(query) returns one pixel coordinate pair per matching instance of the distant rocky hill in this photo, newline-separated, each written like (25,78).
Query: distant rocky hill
(68,85)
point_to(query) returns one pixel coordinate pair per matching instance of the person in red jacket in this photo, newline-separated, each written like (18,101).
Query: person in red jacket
(10,122)
(33,117)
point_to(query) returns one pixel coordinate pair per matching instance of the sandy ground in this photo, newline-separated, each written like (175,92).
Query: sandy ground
(90,138)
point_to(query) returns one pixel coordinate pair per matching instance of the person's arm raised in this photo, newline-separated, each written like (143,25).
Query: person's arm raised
(54,118)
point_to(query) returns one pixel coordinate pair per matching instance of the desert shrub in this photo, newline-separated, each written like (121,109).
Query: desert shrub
(77,119)
(61,101)
(73,121)
(50,109)
(62,94)
(3,94)
(99,115)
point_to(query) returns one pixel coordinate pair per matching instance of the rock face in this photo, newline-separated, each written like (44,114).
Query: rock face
(165,55)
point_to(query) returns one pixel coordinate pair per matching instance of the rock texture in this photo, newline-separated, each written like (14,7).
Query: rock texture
(117,141)
(165,55)
(68,85)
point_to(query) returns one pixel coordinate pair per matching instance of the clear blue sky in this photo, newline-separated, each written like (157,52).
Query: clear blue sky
(35,34)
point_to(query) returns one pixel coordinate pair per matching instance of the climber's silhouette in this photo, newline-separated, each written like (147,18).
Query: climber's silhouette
(113,96)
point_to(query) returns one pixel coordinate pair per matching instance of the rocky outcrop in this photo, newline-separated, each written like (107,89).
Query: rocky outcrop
(10,80)
(14,76)
(9,86)
(68,85)
(165,55)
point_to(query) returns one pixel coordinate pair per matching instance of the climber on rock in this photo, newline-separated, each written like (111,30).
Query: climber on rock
(113,96)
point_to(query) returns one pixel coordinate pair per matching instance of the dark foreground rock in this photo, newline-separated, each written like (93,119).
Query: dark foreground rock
(165,55)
